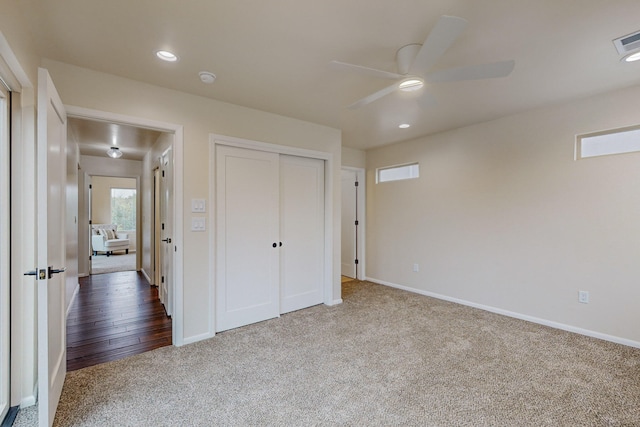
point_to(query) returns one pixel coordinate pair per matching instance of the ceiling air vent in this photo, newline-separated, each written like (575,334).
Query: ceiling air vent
(627,43)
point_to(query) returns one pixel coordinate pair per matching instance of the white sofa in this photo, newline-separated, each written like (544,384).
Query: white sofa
(105,238)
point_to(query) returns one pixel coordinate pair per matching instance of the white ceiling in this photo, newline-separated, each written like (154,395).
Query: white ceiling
(95,138)
(273,55)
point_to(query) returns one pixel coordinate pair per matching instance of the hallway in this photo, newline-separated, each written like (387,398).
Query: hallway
(113,316)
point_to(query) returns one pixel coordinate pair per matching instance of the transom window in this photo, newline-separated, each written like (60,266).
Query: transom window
(397,173)
(616,141)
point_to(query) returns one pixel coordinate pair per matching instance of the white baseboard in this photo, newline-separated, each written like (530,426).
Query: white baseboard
(73,298)
(144,273)
(31,400)
(196,338)
(335,302)
(27,401)
(532,319)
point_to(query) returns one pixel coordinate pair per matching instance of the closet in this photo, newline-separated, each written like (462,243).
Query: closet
(269,235)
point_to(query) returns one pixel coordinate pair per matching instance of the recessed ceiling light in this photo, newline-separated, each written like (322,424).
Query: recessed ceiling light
(632,57)
(165,55)
(411,84)
(404,125)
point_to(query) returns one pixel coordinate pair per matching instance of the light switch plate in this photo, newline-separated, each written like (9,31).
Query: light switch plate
(198,224)
(198,205)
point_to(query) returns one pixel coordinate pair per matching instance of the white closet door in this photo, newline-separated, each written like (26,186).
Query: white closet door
(247,222)
(302,232)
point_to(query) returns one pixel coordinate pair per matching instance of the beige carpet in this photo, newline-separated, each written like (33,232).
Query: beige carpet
(119,261)
(383,357)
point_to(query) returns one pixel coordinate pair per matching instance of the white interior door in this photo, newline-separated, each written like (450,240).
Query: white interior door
(348,236)
(166,231)
(51,258)
(90,211)
(247,237)
(157,235)
(302,232)
(4,254)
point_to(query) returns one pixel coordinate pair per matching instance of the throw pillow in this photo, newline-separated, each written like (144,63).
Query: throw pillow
(108,233)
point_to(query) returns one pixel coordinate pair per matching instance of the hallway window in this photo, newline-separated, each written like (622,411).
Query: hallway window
(123,208)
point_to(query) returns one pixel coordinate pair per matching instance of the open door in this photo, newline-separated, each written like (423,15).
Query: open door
(349,223)
(156,227)
(50,244)
(90,211)
(166,230)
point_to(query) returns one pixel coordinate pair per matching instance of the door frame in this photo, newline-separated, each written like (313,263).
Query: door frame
(22,250)
(5,252)
(178,202)
(361,218)
(215,139)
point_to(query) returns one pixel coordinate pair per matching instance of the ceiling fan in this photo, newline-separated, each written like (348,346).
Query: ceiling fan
(415,60)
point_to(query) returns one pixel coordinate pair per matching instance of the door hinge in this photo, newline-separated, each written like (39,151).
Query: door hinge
(357,183)
(356,261)
(163,174)
(90,187)
(357,222)
(162,279)
(90,222)
(163,225)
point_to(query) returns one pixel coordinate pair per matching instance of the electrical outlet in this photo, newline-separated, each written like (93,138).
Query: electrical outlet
(583,297)
(416,268)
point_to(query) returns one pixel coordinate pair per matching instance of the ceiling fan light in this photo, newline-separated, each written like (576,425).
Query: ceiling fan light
(411,85)
(114,153)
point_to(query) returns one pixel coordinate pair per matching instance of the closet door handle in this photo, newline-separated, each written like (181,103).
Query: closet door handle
(275,245)
(280,243)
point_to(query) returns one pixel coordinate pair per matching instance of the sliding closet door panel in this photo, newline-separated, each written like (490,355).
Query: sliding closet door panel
(247,276)
(302,232)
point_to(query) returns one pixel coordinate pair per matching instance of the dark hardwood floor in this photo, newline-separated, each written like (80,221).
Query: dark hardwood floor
(115,315)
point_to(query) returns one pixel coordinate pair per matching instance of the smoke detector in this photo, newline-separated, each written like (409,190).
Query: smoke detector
(207,77)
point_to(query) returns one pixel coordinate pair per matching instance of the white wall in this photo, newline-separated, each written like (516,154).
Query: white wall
(200,118)
(354,158)
(504,217)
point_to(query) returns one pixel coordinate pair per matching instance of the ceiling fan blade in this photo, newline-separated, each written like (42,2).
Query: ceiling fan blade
(446,31)
(364,70)
(473,72)
(373,97)
(427,100)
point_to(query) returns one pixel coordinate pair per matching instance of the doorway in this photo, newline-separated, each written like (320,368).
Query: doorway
(113,204)
(353,223)
(166,134)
